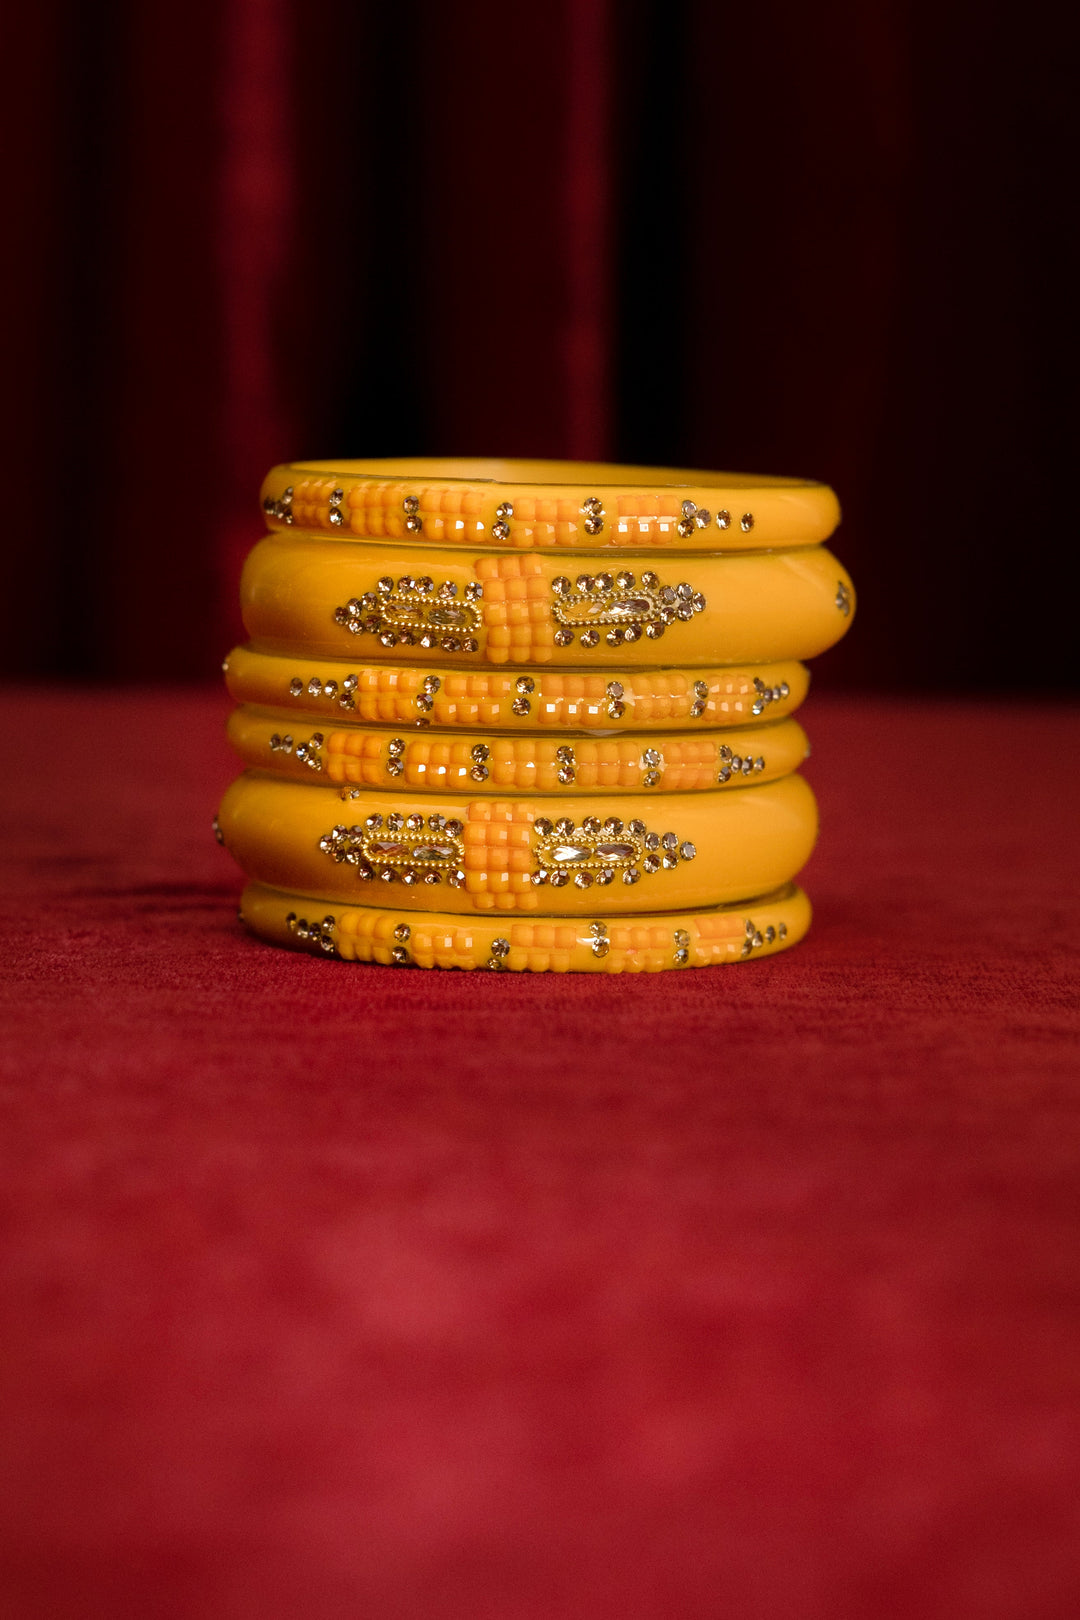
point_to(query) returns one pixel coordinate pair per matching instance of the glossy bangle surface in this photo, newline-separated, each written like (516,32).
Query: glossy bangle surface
(357,757)
(630,944)
(555,700)
(329,596)
(549,504)
(613,853)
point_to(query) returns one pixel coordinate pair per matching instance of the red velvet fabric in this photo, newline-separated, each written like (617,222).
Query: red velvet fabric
(826,240)
(339,1291)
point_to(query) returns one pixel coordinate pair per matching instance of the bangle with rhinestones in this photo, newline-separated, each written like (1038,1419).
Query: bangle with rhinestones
(549,505)
(619,851)
(327,597)
(703,937)
(319,692)
(356,757)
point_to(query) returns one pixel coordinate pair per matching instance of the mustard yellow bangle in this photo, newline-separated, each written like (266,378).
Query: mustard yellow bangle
(623,852)
(564,700)
(324,596)
(632,944)
(357,757)
(547,504)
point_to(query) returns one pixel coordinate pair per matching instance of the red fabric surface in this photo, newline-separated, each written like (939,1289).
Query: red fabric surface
(336,1291)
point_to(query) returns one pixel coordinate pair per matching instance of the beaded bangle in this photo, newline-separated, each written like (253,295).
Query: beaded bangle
(356,757)
(547,504)
(404,695)
(705,849)
(628,944)
(324,596)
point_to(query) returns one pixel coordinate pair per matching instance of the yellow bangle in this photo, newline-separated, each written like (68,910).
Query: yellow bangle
(323,595)
(623,851)
(549,504)
(407,695)
(630,944)
(355,757)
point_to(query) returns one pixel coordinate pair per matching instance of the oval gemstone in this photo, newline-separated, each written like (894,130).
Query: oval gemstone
(385,849)
(630,607)
(449,618)
(434,852)
(616,852)
(565,853)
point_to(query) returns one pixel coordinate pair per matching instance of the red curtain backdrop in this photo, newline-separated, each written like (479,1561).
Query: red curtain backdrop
(823,240)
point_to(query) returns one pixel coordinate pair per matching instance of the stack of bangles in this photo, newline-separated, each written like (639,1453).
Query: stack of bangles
(529,715)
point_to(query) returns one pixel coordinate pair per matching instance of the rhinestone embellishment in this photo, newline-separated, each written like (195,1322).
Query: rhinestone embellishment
(623,608)
(592,510)
(693,517)
(768,694)
(320,935)
(414,610)
(597,852)
(280,507)
(755,938)
(308,753)
(414,523)
(400,849)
